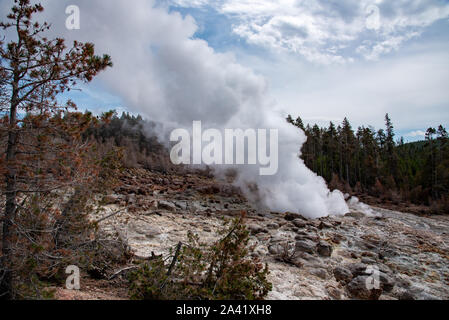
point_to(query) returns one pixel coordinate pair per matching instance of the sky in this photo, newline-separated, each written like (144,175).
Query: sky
(326,60)
(322,60)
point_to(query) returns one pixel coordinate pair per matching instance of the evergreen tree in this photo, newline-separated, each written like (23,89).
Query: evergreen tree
(35,71)
(371,162)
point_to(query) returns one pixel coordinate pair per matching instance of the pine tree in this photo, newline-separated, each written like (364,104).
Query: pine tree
(299,123)
(36,70)
(370,161)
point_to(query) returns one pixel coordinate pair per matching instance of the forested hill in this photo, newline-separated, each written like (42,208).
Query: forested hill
(366,161)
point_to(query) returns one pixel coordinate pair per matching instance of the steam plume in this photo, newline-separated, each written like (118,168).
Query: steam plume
(163,72)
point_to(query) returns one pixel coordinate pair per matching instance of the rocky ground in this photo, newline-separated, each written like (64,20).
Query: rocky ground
(328,258)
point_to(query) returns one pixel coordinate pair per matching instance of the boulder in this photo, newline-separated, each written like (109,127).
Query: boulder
(273,226)
(131,199)
(324,225)
(324,249)
(142,230)
(358,269)
(359,288)
(414,293)
(292,216)
(355,214)
(299,223)
(387,283)
(181,205)
(165,205)
(368,261)
(334,293)
(319,272)
(256,229)
(343,275)
(302,235)
(306,246)
(277,248)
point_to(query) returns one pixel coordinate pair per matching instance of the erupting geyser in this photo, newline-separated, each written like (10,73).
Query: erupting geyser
(164,73)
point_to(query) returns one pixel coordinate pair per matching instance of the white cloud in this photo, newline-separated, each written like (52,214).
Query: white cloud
(321,31)
(410,86)
(416,134)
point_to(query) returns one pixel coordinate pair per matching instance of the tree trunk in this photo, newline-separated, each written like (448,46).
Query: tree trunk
(10,207)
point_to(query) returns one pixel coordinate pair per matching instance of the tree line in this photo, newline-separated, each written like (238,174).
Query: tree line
(366,161)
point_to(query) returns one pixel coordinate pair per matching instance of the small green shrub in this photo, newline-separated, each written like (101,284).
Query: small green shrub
(222,271)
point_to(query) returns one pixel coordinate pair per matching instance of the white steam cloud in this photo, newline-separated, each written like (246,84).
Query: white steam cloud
(163,72)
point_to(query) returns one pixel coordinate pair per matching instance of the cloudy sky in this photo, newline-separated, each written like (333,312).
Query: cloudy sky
(322,60)
(325,60)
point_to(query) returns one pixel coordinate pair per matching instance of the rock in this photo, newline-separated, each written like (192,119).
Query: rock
(139,229)
(256,229)
(276,238)
(324,249)
(324,225)
(359,288)
(368,261)
(358,269)
(337,238)
(384,269)
(305,246)
(310,258)
(343,275)
(131,199)
(369,254)
(275,249)
(354,255)
(165,205)
(320,273)
(355,214)
(414,293)
(387,283)
(387,253)
(306,235)
(375,272)
(292,216)
(299,223)
(297,262)
(273,226)
(334,293)
(153,205)
(181,205)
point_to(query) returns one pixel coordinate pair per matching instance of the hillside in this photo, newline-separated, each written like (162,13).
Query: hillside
(326,258)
